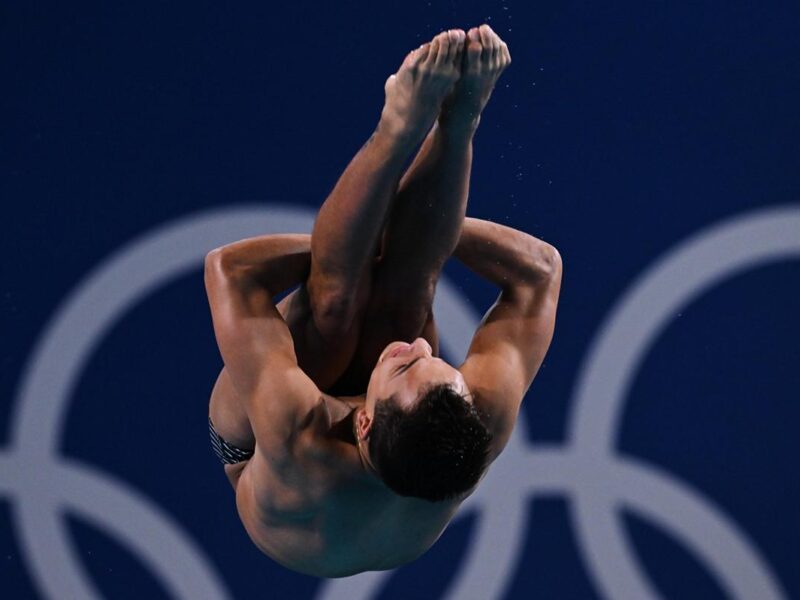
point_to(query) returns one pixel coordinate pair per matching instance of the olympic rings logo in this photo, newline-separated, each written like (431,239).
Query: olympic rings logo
(42,484)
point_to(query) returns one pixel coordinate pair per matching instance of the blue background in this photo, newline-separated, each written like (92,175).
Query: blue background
(619,130)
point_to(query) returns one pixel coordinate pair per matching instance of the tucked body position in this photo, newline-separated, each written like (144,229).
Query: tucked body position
(349,442)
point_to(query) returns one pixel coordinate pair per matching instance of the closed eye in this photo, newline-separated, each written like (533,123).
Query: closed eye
(405,367)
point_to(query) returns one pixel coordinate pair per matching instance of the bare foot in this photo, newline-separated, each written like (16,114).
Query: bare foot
(485,58)
(414,94)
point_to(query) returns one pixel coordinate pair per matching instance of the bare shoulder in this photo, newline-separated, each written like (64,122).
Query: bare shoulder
(282,409)
(508,349)
(281,404)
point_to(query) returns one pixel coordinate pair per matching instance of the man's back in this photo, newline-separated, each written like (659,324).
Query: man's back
(309,504)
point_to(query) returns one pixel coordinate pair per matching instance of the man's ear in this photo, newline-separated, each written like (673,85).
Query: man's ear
(363,424)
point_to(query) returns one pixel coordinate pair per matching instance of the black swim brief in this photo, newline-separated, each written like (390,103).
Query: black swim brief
(227,453)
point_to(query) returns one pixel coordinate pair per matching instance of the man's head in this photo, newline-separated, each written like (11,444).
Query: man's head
(419,429)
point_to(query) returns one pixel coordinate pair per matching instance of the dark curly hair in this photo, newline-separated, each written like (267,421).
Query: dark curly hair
(436,451)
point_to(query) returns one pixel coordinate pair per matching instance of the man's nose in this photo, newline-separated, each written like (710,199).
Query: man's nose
(422,344)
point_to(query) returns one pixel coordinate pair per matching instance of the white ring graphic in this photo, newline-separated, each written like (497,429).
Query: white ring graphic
(696,265)
(42,484)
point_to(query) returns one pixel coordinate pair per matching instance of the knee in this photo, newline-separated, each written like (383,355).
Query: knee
(334,314)
(404,296)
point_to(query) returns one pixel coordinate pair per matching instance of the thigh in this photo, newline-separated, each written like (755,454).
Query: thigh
(384,315)
(401,278)
(400,305)
(387,320)
(379,328)
(335,301)
(322,357)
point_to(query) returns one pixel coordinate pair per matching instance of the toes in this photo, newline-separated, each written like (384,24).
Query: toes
(505,53)
(474,46)
(486,49)
(487,41)
(444,48)
(433,53)
(421,53)
(447,48)
(495,54)
(415,57)
(452,39)
(485,33)
(458,47)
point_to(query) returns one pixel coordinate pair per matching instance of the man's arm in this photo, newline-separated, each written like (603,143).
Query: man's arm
(502,255)
(255,342)
(511,342)
(277,261)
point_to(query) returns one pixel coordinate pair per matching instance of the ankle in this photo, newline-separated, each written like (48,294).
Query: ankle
(456,126)
(396,133)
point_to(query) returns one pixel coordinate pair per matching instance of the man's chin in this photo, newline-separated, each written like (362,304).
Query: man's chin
(385,352)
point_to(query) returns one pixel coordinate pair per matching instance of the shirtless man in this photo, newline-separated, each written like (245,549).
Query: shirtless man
(331,481)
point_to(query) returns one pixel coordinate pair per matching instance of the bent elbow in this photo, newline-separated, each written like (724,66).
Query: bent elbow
(547,261)
(220,266)
(213,261)
(222,261)
(213,256)
(554,260)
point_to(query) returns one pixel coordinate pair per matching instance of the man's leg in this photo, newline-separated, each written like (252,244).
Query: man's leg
(349,223)
(425,220)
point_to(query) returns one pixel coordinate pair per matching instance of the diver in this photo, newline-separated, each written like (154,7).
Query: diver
(349,442)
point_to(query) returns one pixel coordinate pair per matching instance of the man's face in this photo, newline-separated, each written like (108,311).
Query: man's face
(403,369)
